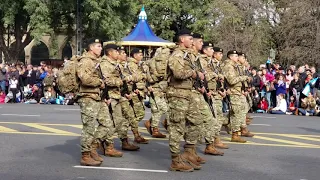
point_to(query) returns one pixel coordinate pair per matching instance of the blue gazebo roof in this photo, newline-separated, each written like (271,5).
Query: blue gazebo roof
(142,34)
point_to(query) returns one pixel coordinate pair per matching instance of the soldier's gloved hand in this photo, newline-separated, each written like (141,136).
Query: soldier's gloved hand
(150,89)
(209,94)
(202,90)
(128,96)
(137,91)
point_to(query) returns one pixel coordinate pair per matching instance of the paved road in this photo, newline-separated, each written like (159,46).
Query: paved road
(41,142)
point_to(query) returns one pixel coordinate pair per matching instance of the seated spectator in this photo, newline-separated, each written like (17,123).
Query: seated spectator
(292,105)
(280,87)
(263,106)
(2,97)
(35,95)
(281,107)
(49,97)
(308,105)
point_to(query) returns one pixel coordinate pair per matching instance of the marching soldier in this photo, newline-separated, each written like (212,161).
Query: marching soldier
(136,70)
(209,121)
(234,83)
(127,104)
(158,84)
(183,101)
(245,93)
(93,108)
(111,71)
(216,88)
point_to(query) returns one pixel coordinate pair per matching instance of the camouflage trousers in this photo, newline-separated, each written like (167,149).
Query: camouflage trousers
(209,121)
(159,109)
(184,119)
(221,118)
(129,116)
(139,110)
(237,111)
(118,117)
(245,111)
(92,111)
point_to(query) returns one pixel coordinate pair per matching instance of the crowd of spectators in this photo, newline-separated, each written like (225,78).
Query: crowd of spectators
(30,84)
(291,91)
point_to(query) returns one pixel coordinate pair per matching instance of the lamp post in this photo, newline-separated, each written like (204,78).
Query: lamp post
(79,27)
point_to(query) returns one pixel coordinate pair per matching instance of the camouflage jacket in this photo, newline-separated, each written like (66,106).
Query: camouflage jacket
(233,78)
(90,81)
(136,70)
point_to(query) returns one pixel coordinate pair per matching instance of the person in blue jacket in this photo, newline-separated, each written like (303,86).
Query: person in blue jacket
(280,86)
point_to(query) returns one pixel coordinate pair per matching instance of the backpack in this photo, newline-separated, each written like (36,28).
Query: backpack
(67,79)
(159,63)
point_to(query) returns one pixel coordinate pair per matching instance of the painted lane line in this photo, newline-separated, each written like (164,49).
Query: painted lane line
(260,124)
(121,169)
(22,115)
(5,129)
(284,141)
(45,128)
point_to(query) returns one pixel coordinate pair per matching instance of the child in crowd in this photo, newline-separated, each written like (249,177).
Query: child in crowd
(281,107)
(2,97)
(308,105)
(292,105)
(263,106)
(49,97)
(280,87)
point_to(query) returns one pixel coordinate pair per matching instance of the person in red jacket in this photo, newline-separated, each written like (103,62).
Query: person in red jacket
(263,105)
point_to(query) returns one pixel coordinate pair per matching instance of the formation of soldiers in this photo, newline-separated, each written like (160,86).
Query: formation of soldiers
(186,83)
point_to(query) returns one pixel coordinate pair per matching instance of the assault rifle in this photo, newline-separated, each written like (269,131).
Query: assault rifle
(152,95)
(125,89)
(105,92)
(199,83)
(134,88)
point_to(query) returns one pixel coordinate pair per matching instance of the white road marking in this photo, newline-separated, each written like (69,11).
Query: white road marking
(264,117)
(260,124)
(122,169)
(61,109)
(22,115)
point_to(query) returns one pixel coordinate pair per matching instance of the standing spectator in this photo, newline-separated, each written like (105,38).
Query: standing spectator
(255,80)
(280,87)
(302,74)
(289,78)
(13,88)
(30,76)
(3,72)
(313,72)
(295,88)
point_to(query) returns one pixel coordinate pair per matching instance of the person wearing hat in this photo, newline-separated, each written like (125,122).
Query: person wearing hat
(242,67)
(183,101)
(234,82)
(127,110)
(93,108)
(207,117)
(218,93)
(136,69)
(211,125)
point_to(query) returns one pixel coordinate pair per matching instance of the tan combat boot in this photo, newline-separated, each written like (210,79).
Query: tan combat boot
(199,159)
(248,121)
(246,133)
(189,156)
(178,164)
(157,134)
(219,144)
(165,124)
(236,138)
(112,152)
(129,147)
(210,150)
(87,160)
(147,124)
(94,154)
(138,139)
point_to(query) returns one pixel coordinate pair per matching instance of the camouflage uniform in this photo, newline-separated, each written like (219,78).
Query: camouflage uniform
(234,80)
(92,108)
(136,70)
(184,102)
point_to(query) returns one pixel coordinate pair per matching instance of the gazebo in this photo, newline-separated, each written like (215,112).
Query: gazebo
(142,36)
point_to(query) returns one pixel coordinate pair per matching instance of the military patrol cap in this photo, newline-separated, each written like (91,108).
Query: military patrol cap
(232,52)
(135,51)
(217,49)
(197,36)
(92,41)
(185,32)
(206,44)
(112,46)
(241,54)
